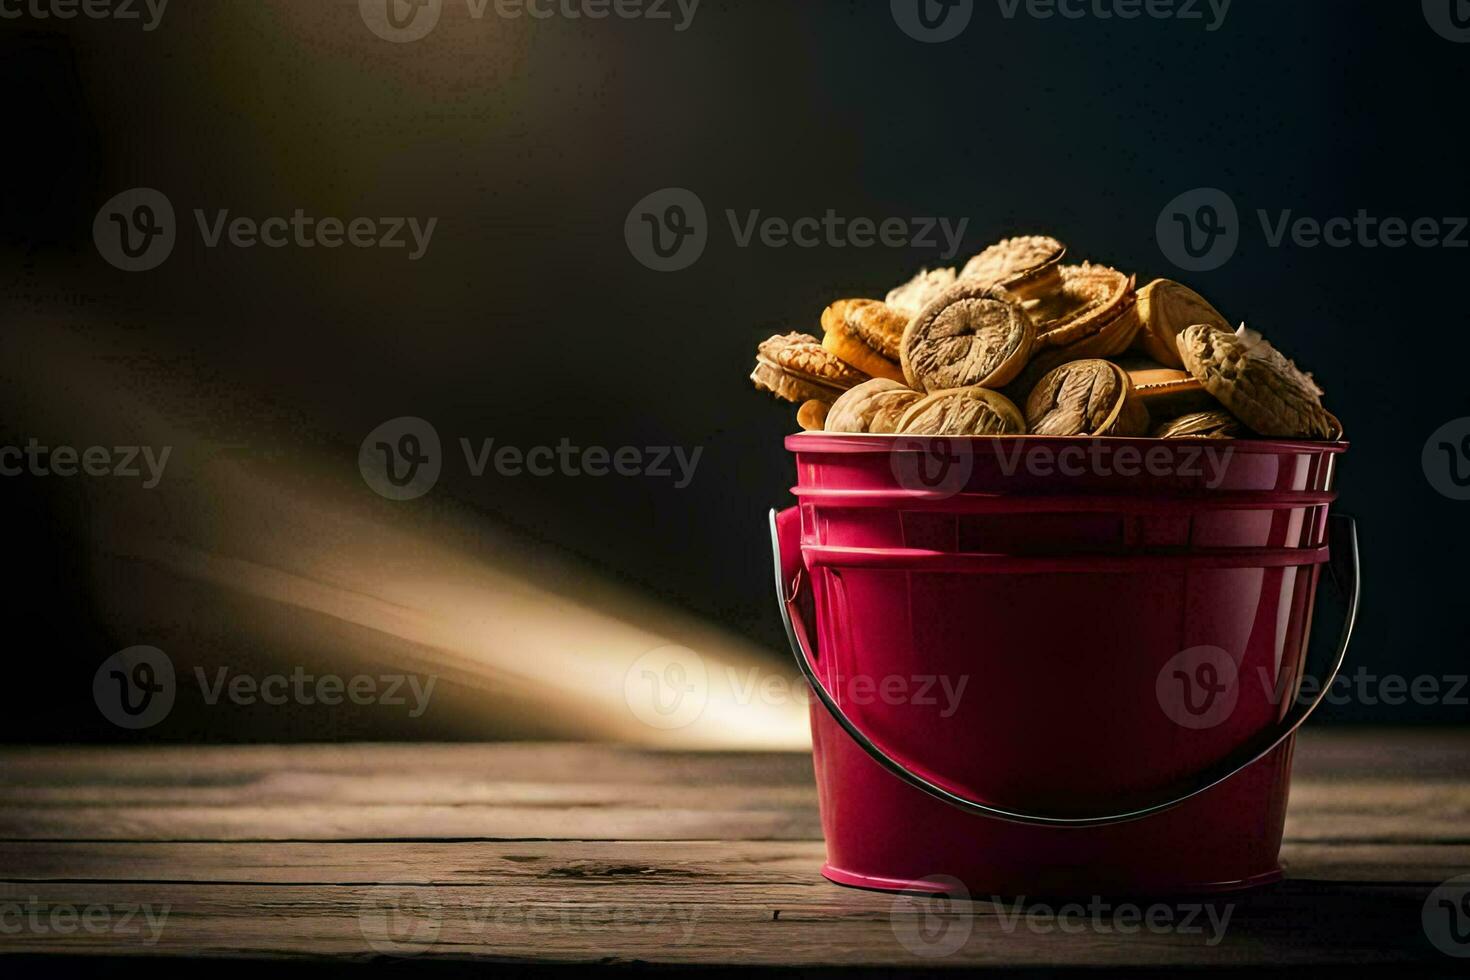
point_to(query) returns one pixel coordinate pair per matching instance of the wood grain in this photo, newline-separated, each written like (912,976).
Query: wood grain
(596,854)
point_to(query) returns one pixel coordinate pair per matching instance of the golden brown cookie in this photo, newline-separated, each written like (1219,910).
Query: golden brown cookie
(972,334)
(1257,383)
(795,367)
(876,324)
(1026,266)
(1111,338)
(840,325)
(873,406)
(1212,424)
(1165,308)
(917,293)
(1166,392)
(812,416)
(1086,398)
(963,412)
(1091,301)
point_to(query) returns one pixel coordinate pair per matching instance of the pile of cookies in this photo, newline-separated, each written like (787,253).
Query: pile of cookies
(1018,342)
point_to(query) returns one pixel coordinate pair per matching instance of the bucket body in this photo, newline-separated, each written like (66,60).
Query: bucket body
(1067,643)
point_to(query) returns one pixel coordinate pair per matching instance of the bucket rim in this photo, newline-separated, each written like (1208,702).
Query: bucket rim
(876,442)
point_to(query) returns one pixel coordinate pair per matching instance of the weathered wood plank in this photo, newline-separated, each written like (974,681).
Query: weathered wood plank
(1304,923)
(610,854)
(646,864)
(299,807)
(541,762)
(596,792)
(1403,755)
(351,823)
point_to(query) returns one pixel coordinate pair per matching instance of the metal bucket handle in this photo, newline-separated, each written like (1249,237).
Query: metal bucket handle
(1343,540)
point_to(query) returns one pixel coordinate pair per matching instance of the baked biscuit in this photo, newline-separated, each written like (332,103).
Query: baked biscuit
(972,334)
(1027,266)
(796,368)
(1086,398)
(873,406)
(1257,383)
(963,412)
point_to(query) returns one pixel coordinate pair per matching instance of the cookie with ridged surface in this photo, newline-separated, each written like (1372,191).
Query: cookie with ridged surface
(797,368)
(973,334)
(1215,423)
(1165,309)
(1256,382)
(1086,398)
(873,406)
(860,331)
(963,412)
(1027,266)
(919,291)
(1091,301)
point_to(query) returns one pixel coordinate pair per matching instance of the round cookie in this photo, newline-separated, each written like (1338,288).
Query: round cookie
(1092,301)
(1165,309)
(917,293)
(972,334)
(840,323)
(963,412)
(1086,398)
(1257,383)
(873,406)
(876,324)
(797,368)
(1026,266)
(812,416)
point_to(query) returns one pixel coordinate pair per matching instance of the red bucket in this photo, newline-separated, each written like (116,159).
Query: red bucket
(1057,666)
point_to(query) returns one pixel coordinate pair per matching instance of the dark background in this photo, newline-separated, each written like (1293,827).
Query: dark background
(529,320)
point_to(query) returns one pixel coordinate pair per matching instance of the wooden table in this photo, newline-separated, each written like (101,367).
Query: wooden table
(547,854)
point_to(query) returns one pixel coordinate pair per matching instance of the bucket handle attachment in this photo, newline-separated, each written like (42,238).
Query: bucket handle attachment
(791,579)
